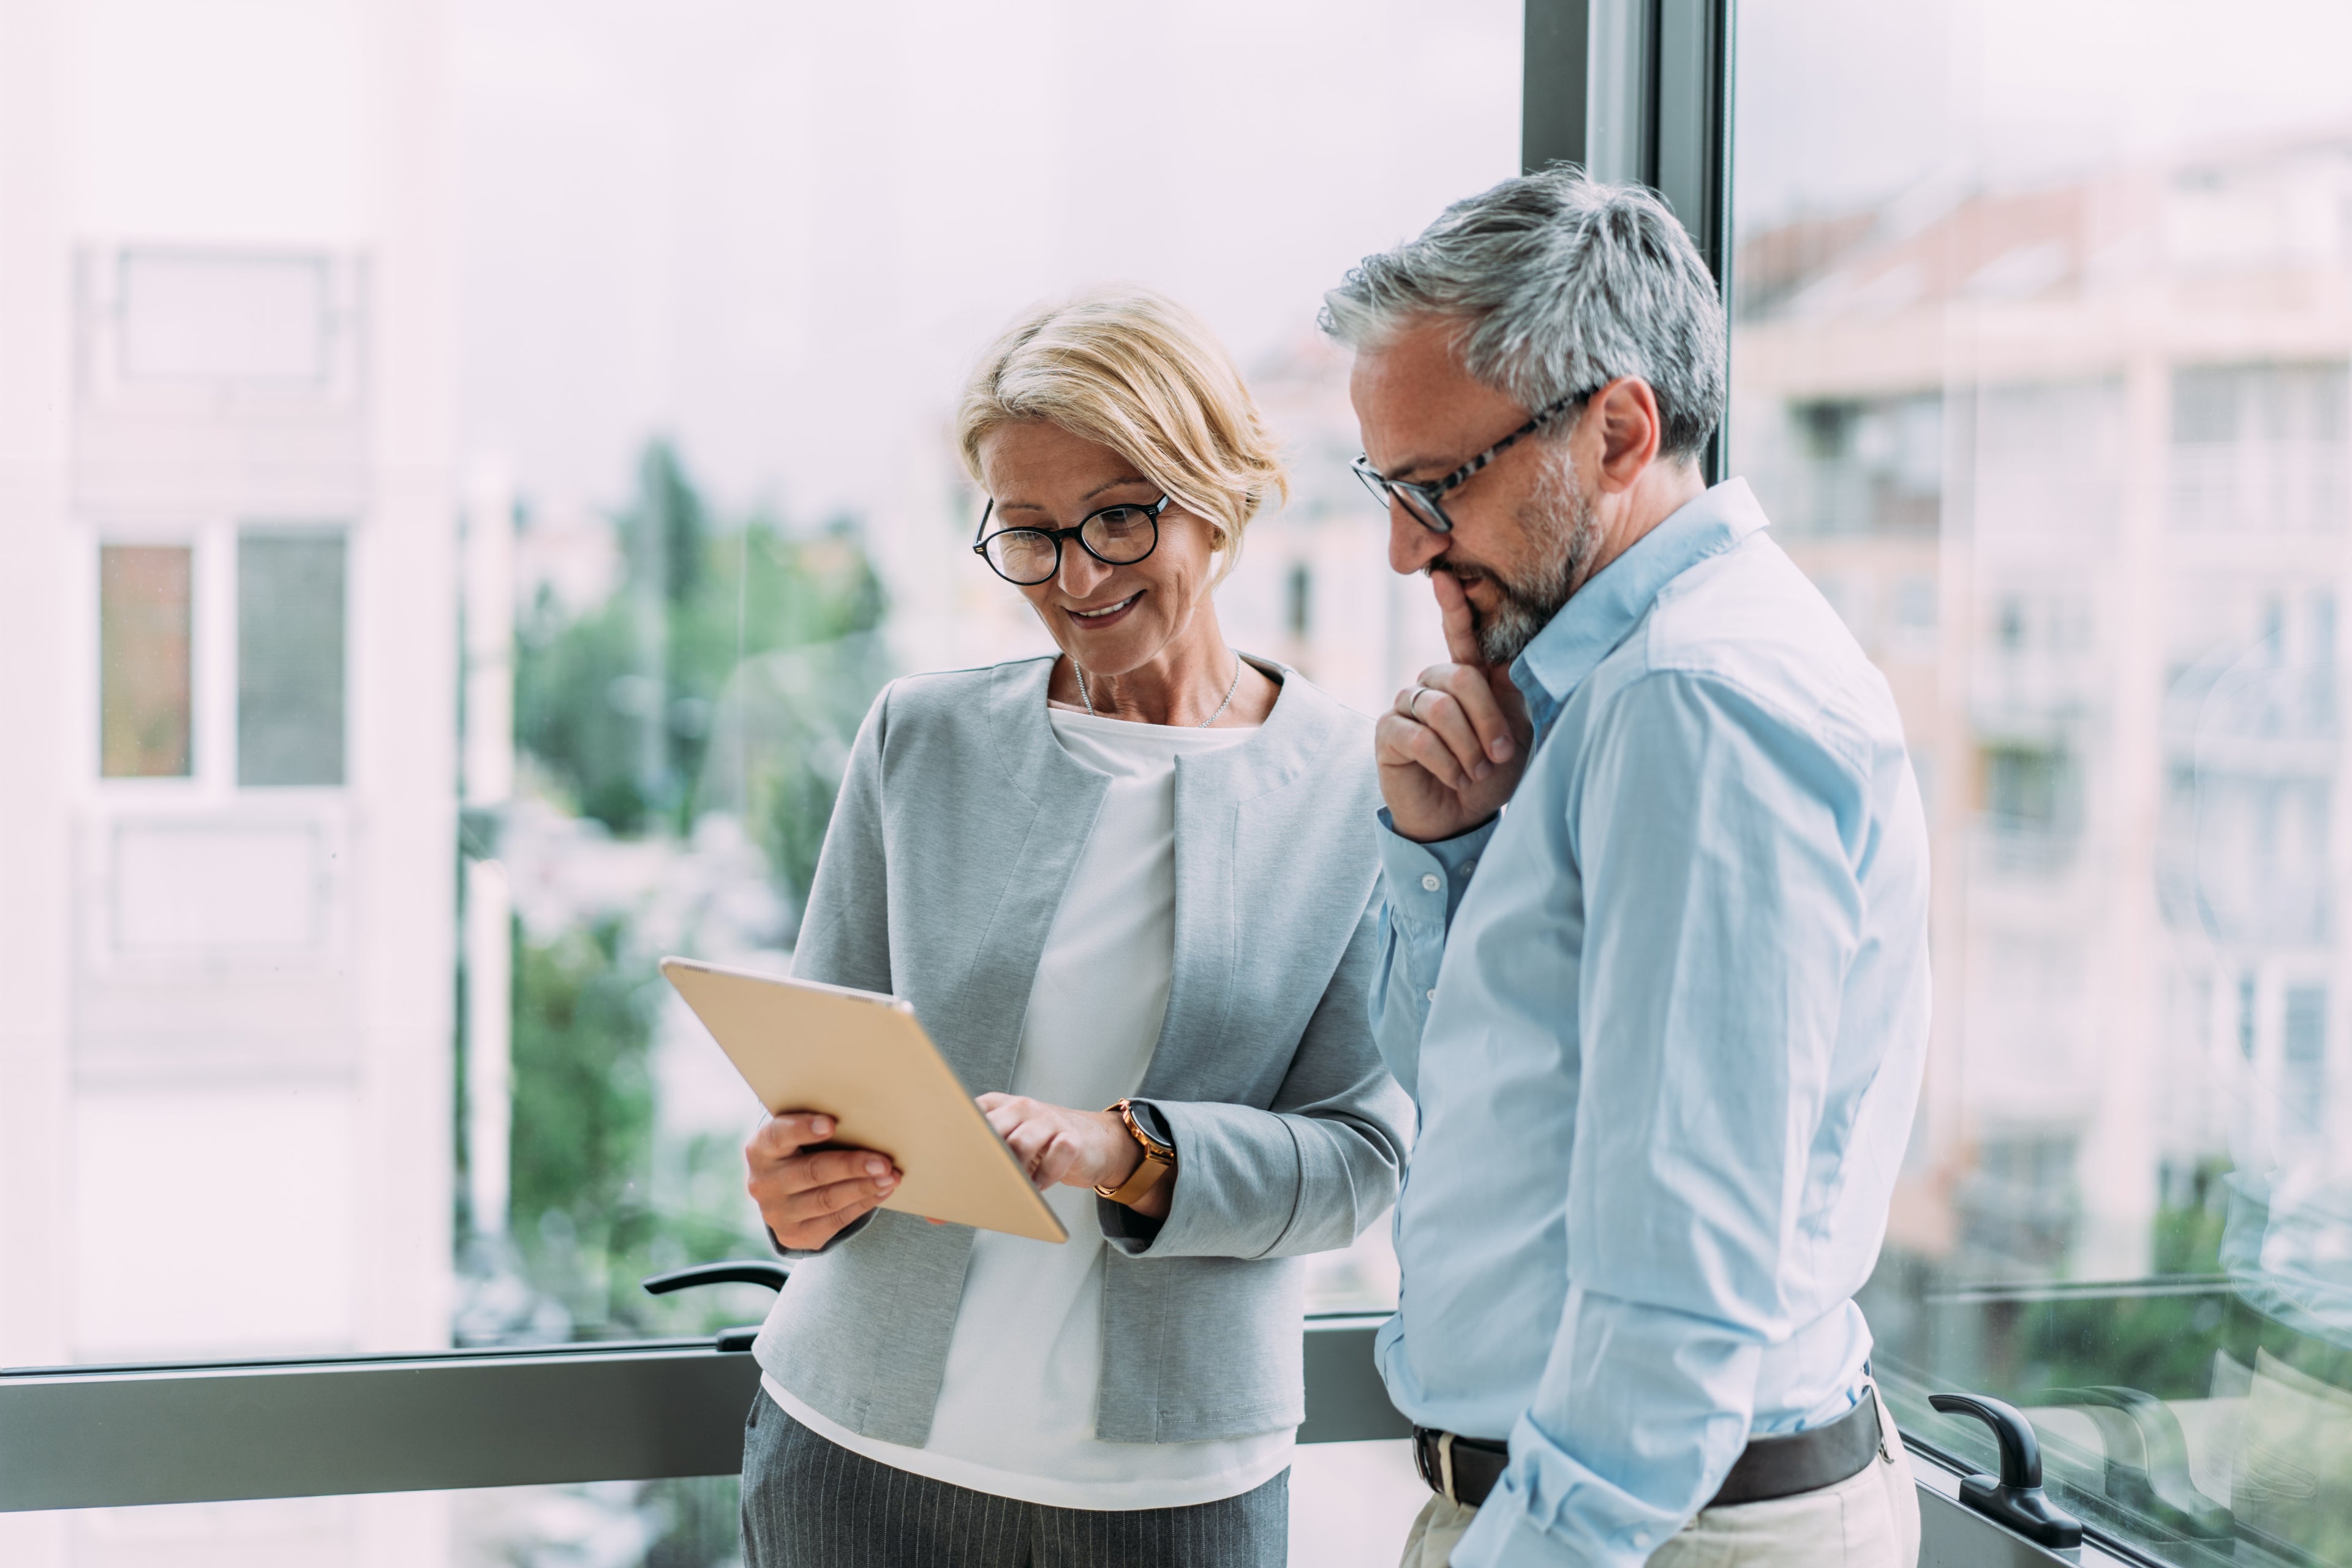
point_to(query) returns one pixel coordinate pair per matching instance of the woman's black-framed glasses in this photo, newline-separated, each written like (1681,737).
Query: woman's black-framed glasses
(1424,501)
(1116,536)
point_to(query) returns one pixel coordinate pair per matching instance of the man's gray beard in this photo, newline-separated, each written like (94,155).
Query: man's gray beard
(1563,531)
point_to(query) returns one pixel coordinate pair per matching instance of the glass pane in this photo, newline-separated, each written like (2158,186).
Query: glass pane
(536,653)
(2037,369)
(657,492)
(144,633)
(289,658)
(696,639)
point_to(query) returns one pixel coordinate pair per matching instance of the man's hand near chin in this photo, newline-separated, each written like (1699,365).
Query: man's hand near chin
(1452,750)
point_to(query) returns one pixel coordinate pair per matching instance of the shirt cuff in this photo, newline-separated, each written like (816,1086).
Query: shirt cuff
(1503,1536)
(1424,882)
(844,1233)
(1549,1508)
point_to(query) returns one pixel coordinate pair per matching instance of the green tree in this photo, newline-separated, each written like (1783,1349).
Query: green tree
(584,1122)
(618,705)
(727,672)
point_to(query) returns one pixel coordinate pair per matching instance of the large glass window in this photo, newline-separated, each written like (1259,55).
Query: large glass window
(2039,365)
(505,490)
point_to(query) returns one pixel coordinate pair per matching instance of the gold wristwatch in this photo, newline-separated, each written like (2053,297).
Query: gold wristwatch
(1159,1161)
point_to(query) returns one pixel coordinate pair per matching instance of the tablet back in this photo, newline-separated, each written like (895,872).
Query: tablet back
(863,1060)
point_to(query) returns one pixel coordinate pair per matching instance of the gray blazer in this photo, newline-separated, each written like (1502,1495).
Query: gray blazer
(959,824)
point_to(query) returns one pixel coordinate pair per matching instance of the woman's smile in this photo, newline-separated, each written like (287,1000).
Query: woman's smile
(1108,615)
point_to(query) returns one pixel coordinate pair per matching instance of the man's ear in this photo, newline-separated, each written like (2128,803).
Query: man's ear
(1626,414)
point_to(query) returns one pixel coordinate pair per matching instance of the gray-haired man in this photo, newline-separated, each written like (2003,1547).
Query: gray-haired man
(1665,1019)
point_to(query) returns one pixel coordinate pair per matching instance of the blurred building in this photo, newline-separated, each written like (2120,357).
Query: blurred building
(1314,587)
(228,814)
(2072,462)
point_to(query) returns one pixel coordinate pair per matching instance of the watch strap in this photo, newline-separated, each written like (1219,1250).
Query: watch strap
(1158,1162)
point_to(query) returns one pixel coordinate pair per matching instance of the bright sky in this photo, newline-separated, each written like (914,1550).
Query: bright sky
(780,230)
(783,231)
(1842,102)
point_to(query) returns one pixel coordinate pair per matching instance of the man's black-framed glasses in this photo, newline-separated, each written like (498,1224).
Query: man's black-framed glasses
(1117,535)
(1424,501)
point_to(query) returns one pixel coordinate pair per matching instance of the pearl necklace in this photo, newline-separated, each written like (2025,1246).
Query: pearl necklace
(1088,698)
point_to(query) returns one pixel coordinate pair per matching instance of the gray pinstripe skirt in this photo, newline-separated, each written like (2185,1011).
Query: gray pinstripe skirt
(811,1503)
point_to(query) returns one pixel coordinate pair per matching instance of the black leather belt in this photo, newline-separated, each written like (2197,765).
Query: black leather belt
(1774,1466)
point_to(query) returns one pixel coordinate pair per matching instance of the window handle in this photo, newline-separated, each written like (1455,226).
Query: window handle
(2015,1499)
(2147,1461)
(741,1271)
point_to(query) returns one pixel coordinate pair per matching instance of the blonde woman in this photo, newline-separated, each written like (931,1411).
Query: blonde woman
(1128,888)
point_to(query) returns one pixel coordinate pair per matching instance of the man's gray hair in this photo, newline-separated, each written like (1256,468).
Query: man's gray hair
(1562,284)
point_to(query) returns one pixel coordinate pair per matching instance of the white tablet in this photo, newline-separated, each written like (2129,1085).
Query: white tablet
(863,1060)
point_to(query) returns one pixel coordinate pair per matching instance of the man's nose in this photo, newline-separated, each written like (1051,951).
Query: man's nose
(1411,547)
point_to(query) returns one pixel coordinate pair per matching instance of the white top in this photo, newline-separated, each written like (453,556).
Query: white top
(1016,1412)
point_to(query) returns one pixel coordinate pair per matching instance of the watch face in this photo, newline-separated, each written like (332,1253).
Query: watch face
(1153,1147)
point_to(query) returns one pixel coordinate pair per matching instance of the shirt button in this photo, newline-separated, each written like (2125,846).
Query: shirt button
(1430,882)
(1470,865)
(1432,995)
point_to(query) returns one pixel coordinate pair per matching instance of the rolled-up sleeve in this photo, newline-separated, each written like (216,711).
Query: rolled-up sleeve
(1307,1173)
(1421,887)
(1716,840)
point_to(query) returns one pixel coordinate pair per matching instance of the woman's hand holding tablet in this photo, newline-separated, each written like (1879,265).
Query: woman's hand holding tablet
(808,1198)
(857,1064)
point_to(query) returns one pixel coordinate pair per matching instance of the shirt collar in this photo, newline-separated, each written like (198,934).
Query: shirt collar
(1598,615)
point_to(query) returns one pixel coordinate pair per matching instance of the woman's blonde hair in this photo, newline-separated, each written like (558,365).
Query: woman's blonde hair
(1141,375)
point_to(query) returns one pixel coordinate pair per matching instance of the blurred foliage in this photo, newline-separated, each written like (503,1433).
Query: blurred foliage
(726,673)
(586,1228)
(2163,1345)
(583,1094)
(781,744)
(2264,1406)
(2020,1348)
(700,1521)
(689,1522)
(620,704)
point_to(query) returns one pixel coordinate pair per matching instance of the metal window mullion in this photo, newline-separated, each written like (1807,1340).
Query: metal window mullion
(1639,92)
(1622,96)
(1691,121)
(1554,71)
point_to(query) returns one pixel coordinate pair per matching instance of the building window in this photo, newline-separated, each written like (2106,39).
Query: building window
(2258,448)
(143,635)
(2305,1053)
(289,657)
(1872,465)
(199,316)
(2028,788)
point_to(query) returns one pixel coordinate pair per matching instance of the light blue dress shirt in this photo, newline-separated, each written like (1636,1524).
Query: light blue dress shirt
(1665,1019)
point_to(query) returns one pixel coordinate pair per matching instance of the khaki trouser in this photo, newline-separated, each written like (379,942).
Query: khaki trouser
(1868,1521)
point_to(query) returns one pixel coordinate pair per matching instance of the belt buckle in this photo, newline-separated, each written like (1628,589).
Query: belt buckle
(1433,1461)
